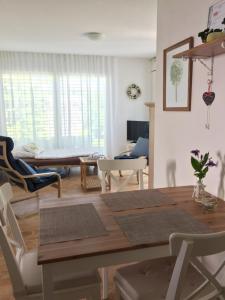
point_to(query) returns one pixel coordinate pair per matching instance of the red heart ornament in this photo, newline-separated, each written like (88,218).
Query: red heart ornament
(208,97)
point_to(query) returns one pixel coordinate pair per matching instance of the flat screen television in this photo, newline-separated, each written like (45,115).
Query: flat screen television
(136,129)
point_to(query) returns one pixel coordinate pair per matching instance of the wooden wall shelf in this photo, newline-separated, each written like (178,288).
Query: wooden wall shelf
(204,51)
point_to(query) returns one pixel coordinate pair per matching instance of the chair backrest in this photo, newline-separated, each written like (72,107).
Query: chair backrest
(9,219)
(12,263)
(188,248)
(8,164)
(106,166)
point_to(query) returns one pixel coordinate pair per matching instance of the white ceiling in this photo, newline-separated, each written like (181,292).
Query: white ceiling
(57,25)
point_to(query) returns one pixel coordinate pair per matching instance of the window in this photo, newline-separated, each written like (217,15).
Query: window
(55,111)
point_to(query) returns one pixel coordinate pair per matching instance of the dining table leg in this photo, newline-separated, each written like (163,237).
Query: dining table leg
(105,283)
(47,282)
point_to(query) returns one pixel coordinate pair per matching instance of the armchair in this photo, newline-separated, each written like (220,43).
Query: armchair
(22,174)
(141,149)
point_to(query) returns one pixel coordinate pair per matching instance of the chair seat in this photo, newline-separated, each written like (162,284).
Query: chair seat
(44,181)
(32,276)
(149,280)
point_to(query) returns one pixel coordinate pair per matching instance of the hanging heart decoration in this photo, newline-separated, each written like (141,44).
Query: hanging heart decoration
(208,97)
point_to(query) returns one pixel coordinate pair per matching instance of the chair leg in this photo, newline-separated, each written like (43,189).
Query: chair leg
(118,294)
(103,183)
(31,196)
(105,283)
(120,173)
(59,188)
(109,182)
(141,183)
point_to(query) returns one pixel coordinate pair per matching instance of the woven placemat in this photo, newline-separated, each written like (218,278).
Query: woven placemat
(157,226)
(60,224)
(136,200)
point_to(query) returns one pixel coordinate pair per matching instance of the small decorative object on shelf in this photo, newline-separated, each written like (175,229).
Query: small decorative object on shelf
(216,14)
(201,164)
(216,34)
(133,91)
(209,35)
(203,35)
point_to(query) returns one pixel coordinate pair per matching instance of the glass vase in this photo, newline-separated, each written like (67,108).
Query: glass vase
(199,192)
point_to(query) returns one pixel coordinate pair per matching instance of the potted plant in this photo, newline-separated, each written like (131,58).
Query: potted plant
(201,164)
(203,35)
(209,35)
(214,34)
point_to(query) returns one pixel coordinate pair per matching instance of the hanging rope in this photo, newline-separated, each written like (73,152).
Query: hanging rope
(209,96)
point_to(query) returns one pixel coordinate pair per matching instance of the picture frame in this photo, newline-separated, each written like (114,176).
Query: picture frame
(216,15)
(177,77)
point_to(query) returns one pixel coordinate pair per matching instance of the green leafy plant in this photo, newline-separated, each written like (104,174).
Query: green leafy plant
(203,35)
(201,163)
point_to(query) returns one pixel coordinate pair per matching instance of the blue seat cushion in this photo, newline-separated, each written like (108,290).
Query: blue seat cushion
(44,181)
(125,156)
(141,148)
(26,169)
(34,184)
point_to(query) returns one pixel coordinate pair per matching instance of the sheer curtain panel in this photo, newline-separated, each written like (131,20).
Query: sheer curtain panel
(57,100)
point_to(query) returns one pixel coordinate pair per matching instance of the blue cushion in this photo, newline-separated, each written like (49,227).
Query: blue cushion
(141,148)
(44,181)
(125,156)
(28,170)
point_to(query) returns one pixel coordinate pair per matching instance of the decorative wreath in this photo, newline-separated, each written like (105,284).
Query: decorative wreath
(133,91)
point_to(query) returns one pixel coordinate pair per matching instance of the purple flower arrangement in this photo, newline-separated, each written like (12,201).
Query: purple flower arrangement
(201,163)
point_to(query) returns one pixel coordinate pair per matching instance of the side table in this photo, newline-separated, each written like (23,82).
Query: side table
(89,174)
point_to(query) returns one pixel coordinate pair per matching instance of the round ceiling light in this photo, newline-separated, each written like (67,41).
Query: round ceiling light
(94,36)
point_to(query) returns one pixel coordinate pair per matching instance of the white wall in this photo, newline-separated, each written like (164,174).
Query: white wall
(128,71)
(179,132)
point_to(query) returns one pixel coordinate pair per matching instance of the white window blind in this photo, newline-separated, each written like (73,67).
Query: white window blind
(83,101)
(71,115)
(29,106)
(57,100)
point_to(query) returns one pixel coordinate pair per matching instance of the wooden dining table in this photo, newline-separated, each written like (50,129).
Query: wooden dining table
(115,248)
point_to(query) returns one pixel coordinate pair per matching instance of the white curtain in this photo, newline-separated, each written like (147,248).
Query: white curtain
(58,100)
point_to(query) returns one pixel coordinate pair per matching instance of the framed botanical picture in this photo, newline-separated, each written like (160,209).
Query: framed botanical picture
(177,78)
(216,15)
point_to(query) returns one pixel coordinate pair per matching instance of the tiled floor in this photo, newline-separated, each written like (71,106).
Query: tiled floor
(29,226)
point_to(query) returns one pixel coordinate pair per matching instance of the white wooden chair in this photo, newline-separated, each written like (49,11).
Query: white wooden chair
(26,275)
(107,166)
(181,276)
(9,219)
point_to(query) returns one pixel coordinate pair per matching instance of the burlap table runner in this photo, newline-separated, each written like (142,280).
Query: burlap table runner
(136,199)
(157,226)
(60,224)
